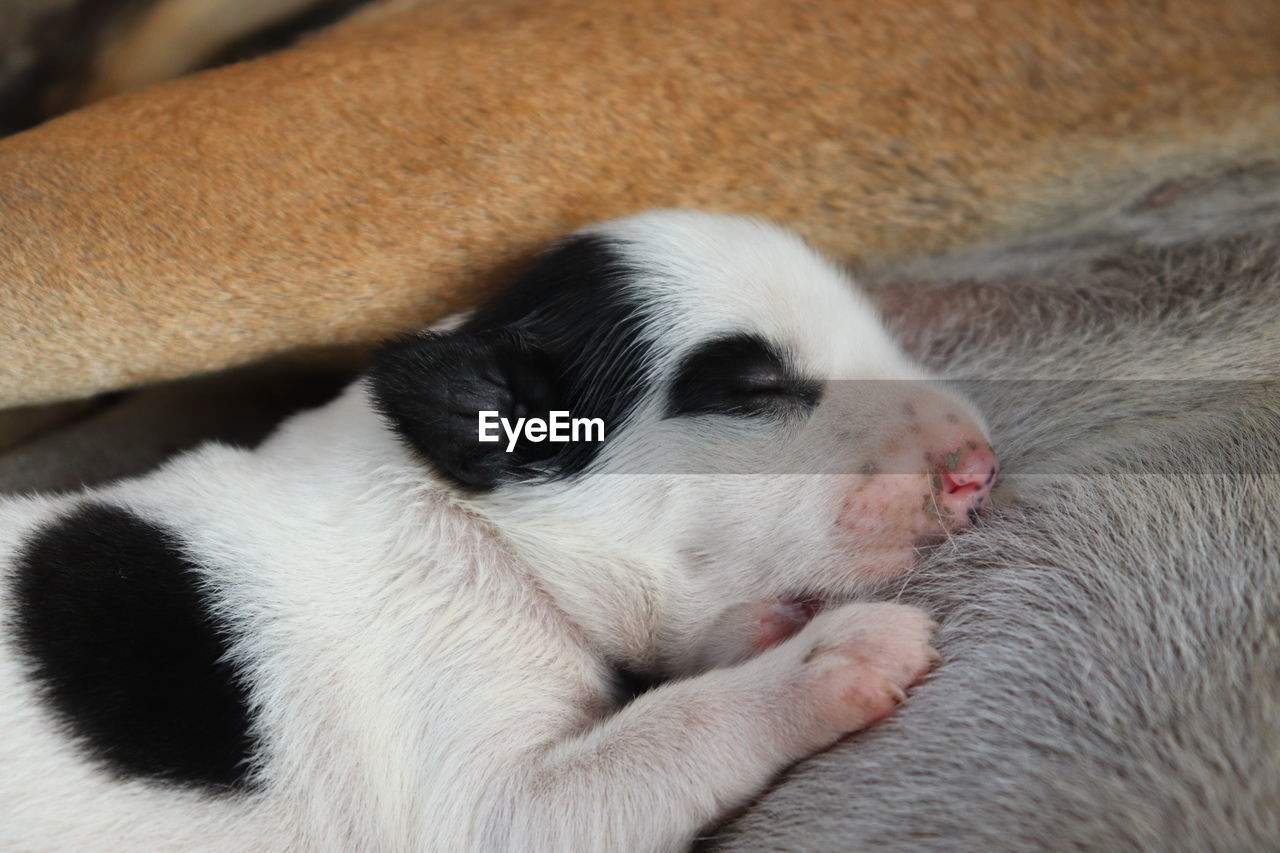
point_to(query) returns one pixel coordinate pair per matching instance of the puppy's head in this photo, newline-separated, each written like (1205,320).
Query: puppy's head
(765,443)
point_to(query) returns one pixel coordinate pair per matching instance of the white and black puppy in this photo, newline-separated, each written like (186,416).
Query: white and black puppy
(378,632)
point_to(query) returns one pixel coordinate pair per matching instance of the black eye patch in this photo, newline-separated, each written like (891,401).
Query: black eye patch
(739,375)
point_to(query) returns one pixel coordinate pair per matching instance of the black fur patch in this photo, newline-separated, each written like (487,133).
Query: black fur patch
(739,375)
(118,632)
(564,336)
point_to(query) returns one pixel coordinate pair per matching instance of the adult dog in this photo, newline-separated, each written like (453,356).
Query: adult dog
(394,168)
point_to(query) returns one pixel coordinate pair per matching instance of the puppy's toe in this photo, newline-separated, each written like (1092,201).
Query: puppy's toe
(865,660)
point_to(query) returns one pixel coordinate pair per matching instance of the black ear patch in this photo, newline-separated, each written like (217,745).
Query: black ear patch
(117,629)
(431,387)
(564,336)
(739,375)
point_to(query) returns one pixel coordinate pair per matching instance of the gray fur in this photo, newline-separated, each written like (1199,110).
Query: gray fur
(1112,630)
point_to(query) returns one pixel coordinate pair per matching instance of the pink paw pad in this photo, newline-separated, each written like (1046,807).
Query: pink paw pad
(872,654)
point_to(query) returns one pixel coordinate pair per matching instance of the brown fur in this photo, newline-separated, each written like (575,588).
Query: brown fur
(385,172)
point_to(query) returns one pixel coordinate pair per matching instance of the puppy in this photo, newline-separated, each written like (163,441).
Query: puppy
(378,632)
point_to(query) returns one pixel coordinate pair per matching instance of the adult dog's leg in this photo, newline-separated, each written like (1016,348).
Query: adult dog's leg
(384,172)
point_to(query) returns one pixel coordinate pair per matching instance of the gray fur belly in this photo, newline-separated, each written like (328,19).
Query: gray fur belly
(1111,677)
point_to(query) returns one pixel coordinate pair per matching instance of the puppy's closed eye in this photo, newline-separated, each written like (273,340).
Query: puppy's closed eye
(740,375)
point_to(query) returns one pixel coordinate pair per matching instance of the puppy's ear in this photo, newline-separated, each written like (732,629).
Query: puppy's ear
(431,388)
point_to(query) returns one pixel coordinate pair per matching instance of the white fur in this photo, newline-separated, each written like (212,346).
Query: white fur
(431,670)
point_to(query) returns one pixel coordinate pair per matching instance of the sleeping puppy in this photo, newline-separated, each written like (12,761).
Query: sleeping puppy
(377,631)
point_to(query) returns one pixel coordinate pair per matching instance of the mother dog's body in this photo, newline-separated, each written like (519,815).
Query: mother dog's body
(1111,642)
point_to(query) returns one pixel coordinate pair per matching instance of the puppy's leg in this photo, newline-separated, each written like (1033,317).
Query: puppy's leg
(682,755)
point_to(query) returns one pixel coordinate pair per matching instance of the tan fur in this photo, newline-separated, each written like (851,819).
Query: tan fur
(389,170)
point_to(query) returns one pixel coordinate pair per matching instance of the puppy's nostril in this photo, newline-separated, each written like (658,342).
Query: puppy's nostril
(952,483)
(961,482)
(958,474)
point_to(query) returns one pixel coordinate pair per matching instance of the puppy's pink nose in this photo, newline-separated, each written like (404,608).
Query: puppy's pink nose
(964,480)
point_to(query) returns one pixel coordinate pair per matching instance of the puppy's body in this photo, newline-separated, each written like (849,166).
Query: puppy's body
(405,664)
(374,632)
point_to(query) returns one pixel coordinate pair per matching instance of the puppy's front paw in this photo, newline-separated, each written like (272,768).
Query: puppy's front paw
(862,659)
